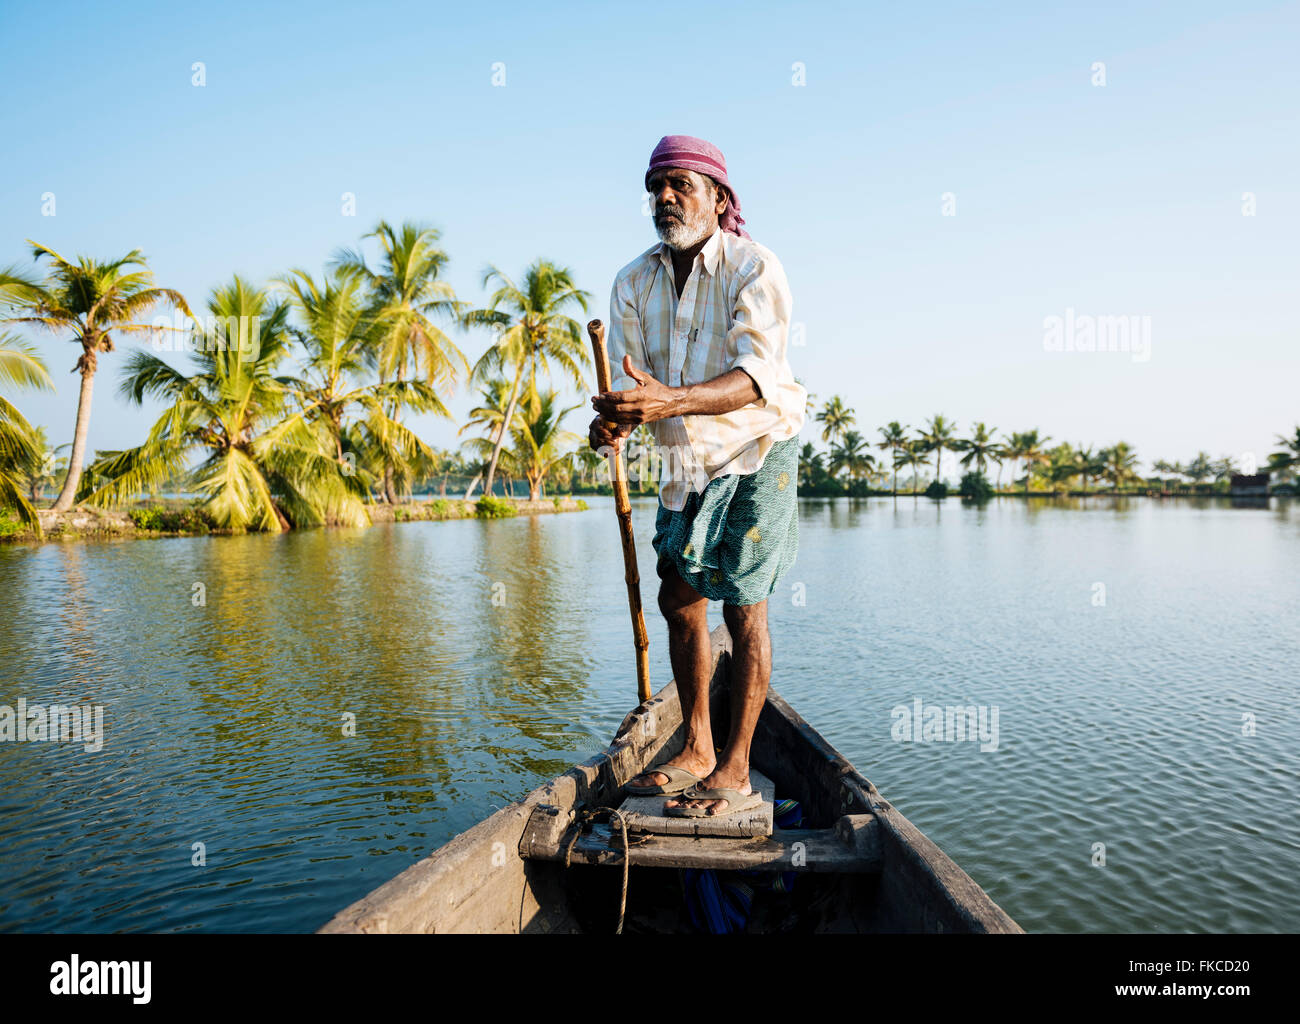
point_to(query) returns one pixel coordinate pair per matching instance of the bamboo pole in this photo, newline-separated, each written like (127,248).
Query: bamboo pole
(618,476)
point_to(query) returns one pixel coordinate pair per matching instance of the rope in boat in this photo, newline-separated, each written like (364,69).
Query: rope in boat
(586,817)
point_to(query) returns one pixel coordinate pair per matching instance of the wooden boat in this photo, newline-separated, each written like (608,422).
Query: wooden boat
(860,865)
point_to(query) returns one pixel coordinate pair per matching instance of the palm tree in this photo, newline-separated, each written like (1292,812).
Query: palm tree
(1119,464)
(936,438)
(1223,467)
(259,470)
(911,454)
(1283,462)
(1167,469)
(21,446)
(854,454)
(589,463)
(539,442)
(407,296)
(91,300)
(835,418)
(343,334)
(1011,451)
(980,448)
(1027,447)
(811,468)
(998,454)
(1060,466)
(809,401)
(564,472)
(444,463)
(1199,468)
(531,327)
(490,415)
(1290,453)
(1087,464)
(477,466)
(894,440)
(45,471)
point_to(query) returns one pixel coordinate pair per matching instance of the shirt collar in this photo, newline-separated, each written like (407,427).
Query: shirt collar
(711,254)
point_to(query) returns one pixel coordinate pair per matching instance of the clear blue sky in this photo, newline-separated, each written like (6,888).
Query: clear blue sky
(1124,199)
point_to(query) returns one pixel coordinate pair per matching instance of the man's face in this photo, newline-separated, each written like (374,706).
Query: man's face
(686,208)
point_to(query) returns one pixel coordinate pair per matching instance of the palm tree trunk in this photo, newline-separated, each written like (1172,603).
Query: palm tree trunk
(472,484)
(501,433)
(69,491)
(390,495)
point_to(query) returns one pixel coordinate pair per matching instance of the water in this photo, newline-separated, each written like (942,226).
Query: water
(479,659)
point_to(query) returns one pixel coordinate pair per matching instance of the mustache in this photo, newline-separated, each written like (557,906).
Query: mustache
(668,211)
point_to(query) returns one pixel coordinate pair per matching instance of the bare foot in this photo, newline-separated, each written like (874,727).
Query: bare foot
(697,763)
(722,778)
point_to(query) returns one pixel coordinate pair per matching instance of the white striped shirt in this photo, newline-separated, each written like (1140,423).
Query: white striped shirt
(734,313)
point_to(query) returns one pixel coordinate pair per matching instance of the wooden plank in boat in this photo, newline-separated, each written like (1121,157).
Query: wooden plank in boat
(852,847)
(645,814)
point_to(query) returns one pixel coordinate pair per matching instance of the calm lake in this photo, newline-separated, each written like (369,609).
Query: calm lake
(1142,658)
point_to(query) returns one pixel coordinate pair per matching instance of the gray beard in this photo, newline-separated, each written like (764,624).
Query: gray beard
(680,235)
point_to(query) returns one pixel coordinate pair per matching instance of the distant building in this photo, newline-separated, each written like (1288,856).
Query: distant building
(1254,485)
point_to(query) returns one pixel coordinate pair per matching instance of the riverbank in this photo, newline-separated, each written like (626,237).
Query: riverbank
(172,518)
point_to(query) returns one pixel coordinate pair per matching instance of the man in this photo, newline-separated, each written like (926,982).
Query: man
(698,326)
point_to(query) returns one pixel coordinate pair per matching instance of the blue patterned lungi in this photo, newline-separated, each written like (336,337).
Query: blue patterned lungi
(734,540)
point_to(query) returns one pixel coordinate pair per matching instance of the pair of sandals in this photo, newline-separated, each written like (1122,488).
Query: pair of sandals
(688,786)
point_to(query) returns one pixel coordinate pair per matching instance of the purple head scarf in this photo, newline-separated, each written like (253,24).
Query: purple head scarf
(704,158)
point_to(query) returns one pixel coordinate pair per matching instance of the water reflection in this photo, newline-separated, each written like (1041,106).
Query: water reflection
(477,659)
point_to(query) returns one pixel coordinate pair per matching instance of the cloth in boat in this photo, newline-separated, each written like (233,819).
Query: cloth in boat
(735,539)
(720,902)
(692,154)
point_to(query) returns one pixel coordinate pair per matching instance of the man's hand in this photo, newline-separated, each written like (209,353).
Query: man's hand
(650,400)
(600,436)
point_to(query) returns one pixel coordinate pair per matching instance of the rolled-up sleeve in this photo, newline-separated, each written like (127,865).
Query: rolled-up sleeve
(624,335)
(761,325)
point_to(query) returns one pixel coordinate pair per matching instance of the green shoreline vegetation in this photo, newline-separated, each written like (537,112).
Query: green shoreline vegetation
(850,468)
(291,412)
(179,518)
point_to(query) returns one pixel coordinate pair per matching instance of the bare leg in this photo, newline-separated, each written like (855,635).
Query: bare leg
(751,673)
(687,612)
